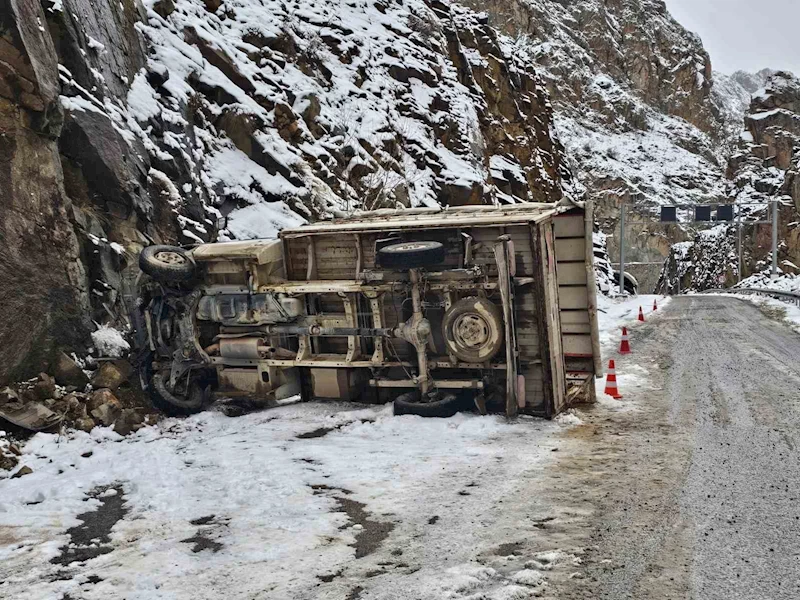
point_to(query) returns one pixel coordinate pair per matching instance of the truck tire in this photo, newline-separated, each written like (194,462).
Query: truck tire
(409,404)
(473,330)
(175,405)
(167,263)
(411,255)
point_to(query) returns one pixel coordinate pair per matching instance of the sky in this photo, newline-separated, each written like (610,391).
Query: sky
(744,34)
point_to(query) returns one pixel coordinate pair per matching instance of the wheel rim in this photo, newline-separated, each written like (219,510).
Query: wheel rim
(472,331)
(409,246)
(170,258)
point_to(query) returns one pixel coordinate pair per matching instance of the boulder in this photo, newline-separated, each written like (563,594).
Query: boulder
(8,462)
(157,75)
(85,424)
(69,373)
(164,8)
(212,5)
(129,421)
(22,472)
(112,374)
(107,411)
(100,397)
(8,395)
(45,388)
(75,407)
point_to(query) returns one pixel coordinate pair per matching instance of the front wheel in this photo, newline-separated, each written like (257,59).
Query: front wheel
(176,404)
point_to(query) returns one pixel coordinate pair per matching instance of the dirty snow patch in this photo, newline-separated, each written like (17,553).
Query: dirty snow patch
(110,342)
(569,417)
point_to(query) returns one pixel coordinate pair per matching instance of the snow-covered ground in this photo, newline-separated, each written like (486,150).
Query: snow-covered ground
(778,309)
(302,501)
(273,514)
(785,282)
(613,315)
(616,313)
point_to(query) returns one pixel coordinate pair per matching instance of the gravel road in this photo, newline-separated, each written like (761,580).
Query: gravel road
(694,491)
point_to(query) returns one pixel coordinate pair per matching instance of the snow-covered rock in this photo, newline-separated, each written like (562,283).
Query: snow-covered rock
(763,170)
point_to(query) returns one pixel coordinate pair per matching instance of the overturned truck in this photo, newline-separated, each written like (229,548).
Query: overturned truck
(435,310)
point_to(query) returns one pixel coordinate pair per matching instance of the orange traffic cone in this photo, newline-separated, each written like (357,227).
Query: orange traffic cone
(655,305)
(641,314)
(625,346)
(611,382)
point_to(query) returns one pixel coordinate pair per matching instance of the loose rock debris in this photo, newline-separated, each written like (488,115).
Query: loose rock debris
(44,404)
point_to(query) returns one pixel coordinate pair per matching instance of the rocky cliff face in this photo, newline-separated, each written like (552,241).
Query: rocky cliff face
(124,124)
(764,168)
(43,289)
(635,107)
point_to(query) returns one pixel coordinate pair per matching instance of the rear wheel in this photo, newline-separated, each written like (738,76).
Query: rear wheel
(411,255)
(410,404)
(167,263)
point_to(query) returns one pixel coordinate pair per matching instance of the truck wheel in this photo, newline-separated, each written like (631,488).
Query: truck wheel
(167,263)
(411,255)
(473,330)
(410,404)
(176,405)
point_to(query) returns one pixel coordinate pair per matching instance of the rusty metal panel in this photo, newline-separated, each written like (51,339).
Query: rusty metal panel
(242,381)
(337,384)
(474,216)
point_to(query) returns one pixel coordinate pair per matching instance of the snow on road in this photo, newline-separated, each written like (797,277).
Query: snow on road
(613,315)
(778,309)
(616,313)
(273,505)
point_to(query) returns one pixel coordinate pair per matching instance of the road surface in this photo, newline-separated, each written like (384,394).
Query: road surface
(695,493)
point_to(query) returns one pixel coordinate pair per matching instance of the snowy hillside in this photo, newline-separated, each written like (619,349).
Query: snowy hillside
(732,94)
(636,108)
(632,95)
(762,169)
(151,120)
(292,111)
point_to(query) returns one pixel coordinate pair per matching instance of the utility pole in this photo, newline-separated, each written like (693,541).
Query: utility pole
(741,241)
(774,238)
(622,246)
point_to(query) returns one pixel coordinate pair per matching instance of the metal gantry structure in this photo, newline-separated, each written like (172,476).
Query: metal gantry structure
(725,213)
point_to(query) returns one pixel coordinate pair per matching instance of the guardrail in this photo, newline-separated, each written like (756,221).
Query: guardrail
(792,297)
